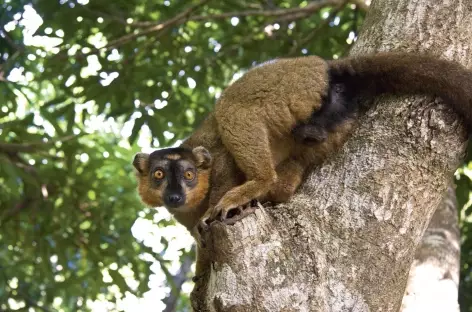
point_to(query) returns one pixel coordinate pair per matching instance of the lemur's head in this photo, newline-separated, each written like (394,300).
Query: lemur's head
(177,178)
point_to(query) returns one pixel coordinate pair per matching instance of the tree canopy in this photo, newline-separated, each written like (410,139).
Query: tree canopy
(84,85)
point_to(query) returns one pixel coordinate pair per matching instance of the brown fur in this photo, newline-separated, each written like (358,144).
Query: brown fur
(196,199)
(173,156)
(256,114)
(250,134)
(401,73)
(150,196)
(195,204)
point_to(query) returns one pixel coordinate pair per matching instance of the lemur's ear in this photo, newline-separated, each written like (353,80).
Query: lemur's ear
(202,157)
(141,162)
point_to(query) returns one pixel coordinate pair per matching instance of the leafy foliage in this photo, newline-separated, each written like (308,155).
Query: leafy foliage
(463,192)
(81,95)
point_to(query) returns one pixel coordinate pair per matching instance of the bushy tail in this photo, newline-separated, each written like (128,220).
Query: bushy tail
(403,73)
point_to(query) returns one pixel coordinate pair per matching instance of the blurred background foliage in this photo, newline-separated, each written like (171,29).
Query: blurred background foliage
(85,84)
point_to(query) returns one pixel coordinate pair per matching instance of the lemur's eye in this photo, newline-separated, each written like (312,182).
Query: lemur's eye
(159,174)
(189,175)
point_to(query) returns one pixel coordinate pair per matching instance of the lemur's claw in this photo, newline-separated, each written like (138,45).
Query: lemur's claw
(235,214)
(227,216)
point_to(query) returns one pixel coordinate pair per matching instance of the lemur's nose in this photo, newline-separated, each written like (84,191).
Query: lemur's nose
(174,199)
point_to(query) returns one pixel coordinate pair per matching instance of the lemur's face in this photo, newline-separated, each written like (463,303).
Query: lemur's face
(176,178)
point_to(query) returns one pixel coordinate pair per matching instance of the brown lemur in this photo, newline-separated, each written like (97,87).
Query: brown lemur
(275,122)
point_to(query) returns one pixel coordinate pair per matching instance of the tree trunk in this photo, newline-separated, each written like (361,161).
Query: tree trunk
(347,239)
(433,284)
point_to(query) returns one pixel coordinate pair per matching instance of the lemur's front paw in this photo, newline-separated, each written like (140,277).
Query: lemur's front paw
(226,215)
(233,215)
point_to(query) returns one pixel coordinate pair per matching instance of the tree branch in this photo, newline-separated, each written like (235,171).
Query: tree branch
(33,146)
(165,270)
(286,14)
(436,267)
(176,19)
(281,15)
(271,11)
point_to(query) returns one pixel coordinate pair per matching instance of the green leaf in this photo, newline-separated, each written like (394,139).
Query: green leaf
(138,123)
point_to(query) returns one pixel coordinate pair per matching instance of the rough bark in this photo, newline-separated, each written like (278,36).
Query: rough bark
(433,283)
(346,241)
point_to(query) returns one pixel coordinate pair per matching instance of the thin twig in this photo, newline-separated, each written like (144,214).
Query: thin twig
(165,270)
(178,280)
(105,15)
(9,40)
(320,27)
